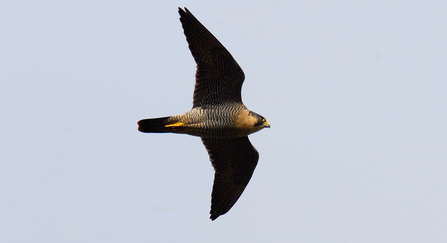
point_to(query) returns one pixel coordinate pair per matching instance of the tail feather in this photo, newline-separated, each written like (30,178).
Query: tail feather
(156,125)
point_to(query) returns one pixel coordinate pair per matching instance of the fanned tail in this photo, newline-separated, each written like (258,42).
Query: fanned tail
(160,125)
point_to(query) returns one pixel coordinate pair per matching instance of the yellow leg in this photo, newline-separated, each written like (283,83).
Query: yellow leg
(177,124)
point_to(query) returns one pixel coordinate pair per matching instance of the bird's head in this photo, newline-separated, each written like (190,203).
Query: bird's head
(249,122)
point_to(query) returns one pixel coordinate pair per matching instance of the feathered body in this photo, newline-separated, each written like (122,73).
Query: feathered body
(229,121)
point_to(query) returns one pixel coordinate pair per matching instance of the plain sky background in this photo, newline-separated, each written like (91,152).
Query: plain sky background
(356,93)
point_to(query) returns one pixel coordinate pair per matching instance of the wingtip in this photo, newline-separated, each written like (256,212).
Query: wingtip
(214,217)
(183,10)
(215,213)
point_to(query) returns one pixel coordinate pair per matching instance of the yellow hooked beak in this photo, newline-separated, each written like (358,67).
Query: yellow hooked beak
(266,124)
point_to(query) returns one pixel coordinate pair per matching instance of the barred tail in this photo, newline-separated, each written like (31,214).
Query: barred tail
(159,125)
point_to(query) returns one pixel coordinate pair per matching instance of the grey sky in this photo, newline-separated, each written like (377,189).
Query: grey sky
(355,93)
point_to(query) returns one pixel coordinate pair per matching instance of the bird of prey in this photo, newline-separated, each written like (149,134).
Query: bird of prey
(218,116)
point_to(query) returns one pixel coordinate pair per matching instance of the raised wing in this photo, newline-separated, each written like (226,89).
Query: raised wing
(218,77)
(234,161)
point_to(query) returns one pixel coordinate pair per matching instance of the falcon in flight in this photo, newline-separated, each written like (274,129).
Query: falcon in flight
(218,116)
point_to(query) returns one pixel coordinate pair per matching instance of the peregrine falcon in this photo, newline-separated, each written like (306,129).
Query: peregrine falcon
(218,116)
